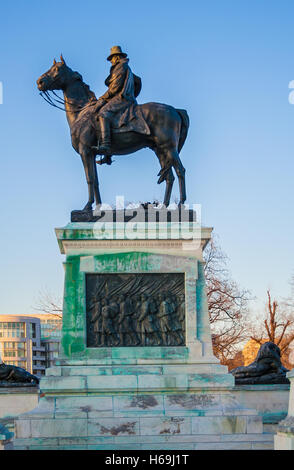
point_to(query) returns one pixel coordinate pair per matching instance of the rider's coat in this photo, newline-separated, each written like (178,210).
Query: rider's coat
(121,105)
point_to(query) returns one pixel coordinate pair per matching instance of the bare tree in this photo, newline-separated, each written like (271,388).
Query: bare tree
(277,326)
(48,303)
(227,305)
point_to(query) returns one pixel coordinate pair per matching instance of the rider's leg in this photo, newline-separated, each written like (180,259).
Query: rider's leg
(104,146)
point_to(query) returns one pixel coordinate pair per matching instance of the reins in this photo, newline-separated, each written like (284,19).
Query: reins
(45,95)
(50,100)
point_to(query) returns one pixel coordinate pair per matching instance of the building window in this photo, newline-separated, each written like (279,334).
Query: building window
(32,330)
(12,329)
(14,349)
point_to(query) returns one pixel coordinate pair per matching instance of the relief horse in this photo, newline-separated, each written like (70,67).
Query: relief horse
(168,131)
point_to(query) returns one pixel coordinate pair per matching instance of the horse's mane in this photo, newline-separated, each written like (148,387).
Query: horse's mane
(90,93)
(86,87)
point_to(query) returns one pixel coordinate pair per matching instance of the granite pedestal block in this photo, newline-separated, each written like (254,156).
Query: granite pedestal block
(159,397)
(284,439)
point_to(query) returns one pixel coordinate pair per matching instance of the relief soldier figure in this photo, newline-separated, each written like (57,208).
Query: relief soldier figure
(125,322)
(136,300)
(109,334)
(147,320)
(165,315)
(181,311)
(96,321)
(114,305)
(155,336)
(177,331)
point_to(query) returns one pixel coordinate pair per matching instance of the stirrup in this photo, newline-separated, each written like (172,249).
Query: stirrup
(106,159)
(103,148)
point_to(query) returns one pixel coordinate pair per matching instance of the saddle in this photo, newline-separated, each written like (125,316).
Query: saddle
(128,118)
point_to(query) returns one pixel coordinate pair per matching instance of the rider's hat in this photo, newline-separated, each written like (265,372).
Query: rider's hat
(116,50)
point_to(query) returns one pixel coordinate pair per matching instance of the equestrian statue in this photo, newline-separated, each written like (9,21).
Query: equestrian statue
(115,124)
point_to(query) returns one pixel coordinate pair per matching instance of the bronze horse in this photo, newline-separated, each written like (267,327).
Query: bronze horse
(168,131)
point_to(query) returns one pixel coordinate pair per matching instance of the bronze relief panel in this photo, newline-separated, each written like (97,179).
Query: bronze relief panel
(135,309)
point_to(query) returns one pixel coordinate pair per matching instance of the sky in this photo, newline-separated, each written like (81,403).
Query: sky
(228,63)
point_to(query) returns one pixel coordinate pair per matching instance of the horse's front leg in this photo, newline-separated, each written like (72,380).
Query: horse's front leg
(96,182)
(87,159)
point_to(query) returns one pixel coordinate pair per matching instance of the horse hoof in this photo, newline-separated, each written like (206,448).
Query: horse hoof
(82,216)
(161,179)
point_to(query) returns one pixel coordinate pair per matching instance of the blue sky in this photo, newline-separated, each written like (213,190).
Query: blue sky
(228,63)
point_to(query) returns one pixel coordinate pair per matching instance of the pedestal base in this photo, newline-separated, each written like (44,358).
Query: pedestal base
(284,439)
(136,406)
(144,397)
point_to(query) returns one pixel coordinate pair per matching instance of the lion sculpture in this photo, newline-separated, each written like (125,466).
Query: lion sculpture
(12,375)
(265,369)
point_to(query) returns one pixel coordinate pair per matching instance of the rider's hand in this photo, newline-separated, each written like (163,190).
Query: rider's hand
(99,104)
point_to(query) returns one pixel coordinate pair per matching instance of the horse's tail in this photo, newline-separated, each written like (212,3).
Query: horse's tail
(184,128)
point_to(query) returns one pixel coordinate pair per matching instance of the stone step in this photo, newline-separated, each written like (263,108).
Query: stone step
(176,442)
(135,369)
(137,382)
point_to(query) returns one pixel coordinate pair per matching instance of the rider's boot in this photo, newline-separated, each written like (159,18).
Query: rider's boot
(104,145)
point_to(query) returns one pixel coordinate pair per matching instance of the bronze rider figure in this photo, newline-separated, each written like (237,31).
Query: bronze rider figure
(112,107)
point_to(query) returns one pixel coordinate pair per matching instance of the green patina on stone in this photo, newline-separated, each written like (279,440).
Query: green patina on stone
(203,325)
(126,262)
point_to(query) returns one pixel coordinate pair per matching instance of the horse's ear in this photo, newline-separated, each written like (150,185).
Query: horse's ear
(62,59)
(54,62)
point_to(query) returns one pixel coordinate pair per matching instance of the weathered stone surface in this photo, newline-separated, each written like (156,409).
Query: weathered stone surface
(284,441)
(113,382)
(219,425)
(171,397)
(63,383)
(199,401)
(113,426)
(270,401)
(165,426)
(58,427)
(23,428)
(84,403)
(138,404)
(254,425)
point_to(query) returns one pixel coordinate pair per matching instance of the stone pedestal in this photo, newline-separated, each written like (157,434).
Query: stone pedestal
(284,439)
(144,397)
(13,402)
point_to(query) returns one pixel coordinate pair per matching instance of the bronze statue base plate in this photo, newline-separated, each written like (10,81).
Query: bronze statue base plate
(144,213)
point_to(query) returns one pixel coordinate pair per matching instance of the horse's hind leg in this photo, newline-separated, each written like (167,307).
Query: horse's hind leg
(168,177)
(169,186)
(180,171)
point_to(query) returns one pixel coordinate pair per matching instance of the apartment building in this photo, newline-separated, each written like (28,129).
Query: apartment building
(20,343)
(30,341)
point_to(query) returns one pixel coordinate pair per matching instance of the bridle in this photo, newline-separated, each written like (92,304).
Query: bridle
(50,100)
(45,95)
